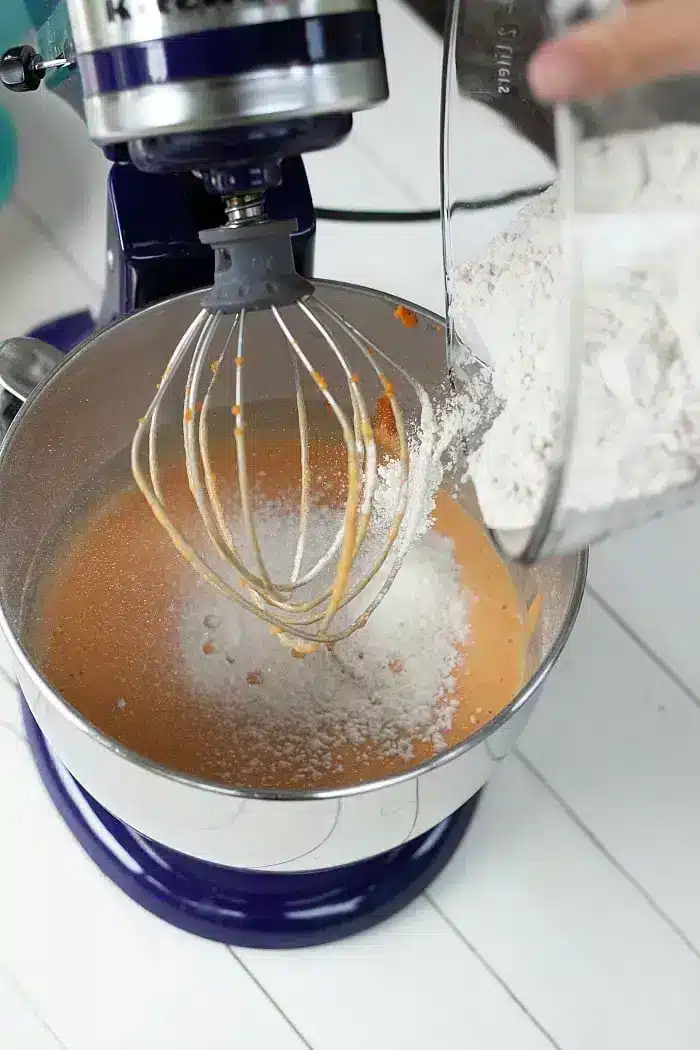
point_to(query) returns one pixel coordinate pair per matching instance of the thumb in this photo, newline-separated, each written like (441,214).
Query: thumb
(637,44)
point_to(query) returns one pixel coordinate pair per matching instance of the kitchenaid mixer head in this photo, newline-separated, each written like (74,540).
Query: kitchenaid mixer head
(225,89)
(220,100)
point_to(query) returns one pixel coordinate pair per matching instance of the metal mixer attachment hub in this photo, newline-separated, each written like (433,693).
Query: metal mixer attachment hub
(254,267)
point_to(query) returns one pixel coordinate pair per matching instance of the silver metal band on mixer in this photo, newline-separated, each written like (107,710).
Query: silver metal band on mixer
(261,95)
(165,68)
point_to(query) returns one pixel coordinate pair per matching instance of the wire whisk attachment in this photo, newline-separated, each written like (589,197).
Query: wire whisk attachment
(320,598)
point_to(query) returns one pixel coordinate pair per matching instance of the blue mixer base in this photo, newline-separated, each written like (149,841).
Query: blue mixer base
(65,333)
(246,908)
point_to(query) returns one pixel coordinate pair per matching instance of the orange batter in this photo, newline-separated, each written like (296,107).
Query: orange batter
(104,629)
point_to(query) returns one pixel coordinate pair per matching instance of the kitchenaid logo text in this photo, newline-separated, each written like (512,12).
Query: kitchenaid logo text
(504,54)
(117,9)
(124,10)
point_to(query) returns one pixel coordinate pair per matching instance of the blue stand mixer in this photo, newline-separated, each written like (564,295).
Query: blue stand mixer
(204,108)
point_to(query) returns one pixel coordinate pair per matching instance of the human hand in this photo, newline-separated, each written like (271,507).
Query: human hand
(640,42)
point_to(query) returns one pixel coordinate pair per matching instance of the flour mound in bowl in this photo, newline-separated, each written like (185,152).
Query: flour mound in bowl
(383,689)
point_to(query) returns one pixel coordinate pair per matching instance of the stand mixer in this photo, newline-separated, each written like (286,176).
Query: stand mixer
(204,109)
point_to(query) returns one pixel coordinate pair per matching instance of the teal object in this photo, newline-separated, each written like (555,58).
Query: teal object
(44,24)
(15,27)
(15,23)
(19,18)
(8,156)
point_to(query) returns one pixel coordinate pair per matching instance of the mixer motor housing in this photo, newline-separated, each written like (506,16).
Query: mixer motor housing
(219,98)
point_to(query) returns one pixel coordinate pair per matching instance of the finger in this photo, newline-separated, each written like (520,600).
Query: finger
(639,43)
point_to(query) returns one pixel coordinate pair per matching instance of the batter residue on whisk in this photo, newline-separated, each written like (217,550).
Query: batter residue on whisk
(159,661)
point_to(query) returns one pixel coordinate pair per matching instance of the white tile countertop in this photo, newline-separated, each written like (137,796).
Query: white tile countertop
(570,916)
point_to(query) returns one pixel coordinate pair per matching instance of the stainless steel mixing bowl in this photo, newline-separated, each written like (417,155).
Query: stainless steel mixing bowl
(72,426)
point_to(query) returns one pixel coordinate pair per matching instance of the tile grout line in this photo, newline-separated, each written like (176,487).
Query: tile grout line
(31,1006)
(8,727)
(490,969)
(42,226)
(610,857)
(269,997)
(7,678)
(643,645)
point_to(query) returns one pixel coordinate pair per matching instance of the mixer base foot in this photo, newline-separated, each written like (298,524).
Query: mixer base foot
(247,908)
(65,333)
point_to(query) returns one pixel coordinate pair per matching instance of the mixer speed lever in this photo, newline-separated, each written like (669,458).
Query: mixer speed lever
(23,69)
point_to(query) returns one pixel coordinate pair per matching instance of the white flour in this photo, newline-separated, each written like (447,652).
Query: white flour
(639,402)
(385,687)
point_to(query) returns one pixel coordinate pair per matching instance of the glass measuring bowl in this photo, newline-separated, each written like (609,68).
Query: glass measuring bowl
(618,306)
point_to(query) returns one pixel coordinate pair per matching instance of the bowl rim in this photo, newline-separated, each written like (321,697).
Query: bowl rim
(79,721)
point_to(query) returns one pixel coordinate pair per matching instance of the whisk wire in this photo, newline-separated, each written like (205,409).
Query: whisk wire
(350,522)
(305,495)
(195,420)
